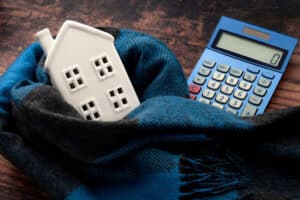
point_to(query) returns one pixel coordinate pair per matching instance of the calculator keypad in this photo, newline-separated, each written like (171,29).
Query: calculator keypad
(209,63)
(232,80)
(235,90)
(253,70)
(218,76)
(249,110)
(217,105)
(264,82)
(226,89)
(200,80)
(244,85)
(249,77)
(260,91)
(221,98)
(236,72)
(268,75)
(223,68)
(208,93)
(255,100)
(193,97)
(202,100)
(195,89)
(240,94)
(234,103)
(213,84)
(231,110)
(204,71)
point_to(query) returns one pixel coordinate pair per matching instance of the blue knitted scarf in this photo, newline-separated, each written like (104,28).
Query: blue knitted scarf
(169,147)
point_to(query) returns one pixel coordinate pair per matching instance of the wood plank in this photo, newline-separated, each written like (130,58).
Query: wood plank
(185,26)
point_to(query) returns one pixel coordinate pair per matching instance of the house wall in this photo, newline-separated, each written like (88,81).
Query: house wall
(79,48)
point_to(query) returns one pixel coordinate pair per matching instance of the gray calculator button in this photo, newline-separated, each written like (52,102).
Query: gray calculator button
(208,93)
(217,105)
(213,84)
(253,70)
(202,100)
(209,63)
(260,91)
(234,103)
(223,68)
(218,76)
(221,98)
(236,72)
(264,82)
(249,110)
(240,94)
(231,80)
(226,89)
(255,100)
(268,75)
(231,110)
(204,71)
(200,80)
(249,77)
(245,85)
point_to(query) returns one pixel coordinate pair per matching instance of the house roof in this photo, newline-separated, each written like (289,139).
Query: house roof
(69,24)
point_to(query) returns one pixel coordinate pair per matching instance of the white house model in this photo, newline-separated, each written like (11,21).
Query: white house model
(86,69)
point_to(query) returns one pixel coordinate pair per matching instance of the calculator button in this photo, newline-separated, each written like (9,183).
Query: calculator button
(245,85)
(217,105)
(193,97)
(194,88)
(249,77)
(231,110)
(208,93)
(204,71)
(226,89)
(240,94)
(209,63)
(255,100)
(218,76)
(202,100)
(231,80)
(223,68)
(213,85)
(260,91)
(221,98)
(249,110)
(268,75)
(264,82)
(253,70)
(236,72)
(200,80)
(235,103)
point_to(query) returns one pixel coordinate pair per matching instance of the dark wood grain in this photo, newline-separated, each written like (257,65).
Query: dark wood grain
(185,26)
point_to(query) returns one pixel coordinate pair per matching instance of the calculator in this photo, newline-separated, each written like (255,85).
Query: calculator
(241,67)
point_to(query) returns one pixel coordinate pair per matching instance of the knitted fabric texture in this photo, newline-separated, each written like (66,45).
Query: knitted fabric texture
(169,147)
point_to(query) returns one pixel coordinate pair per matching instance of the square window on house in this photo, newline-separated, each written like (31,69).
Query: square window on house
(97,63)
(104,59)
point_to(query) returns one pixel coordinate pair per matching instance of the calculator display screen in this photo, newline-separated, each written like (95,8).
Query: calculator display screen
(249,49)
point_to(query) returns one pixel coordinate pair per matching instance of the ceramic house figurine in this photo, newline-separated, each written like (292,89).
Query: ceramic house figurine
(86,69)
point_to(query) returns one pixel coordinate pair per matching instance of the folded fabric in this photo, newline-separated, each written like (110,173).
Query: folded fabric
(169,147)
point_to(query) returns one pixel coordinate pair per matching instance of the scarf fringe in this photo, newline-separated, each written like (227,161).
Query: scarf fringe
(210,175)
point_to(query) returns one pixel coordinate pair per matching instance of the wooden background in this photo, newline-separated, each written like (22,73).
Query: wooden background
(184,25)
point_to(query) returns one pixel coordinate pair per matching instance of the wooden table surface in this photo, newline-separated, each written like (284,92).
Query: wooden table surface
(184,25)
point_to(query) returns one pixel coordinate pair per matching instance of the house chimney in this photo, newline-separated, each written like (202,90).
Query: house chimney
(46,40)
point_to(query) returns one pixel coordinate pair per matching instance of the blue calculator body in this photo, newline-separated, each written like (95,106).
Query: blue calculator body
(241,67)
